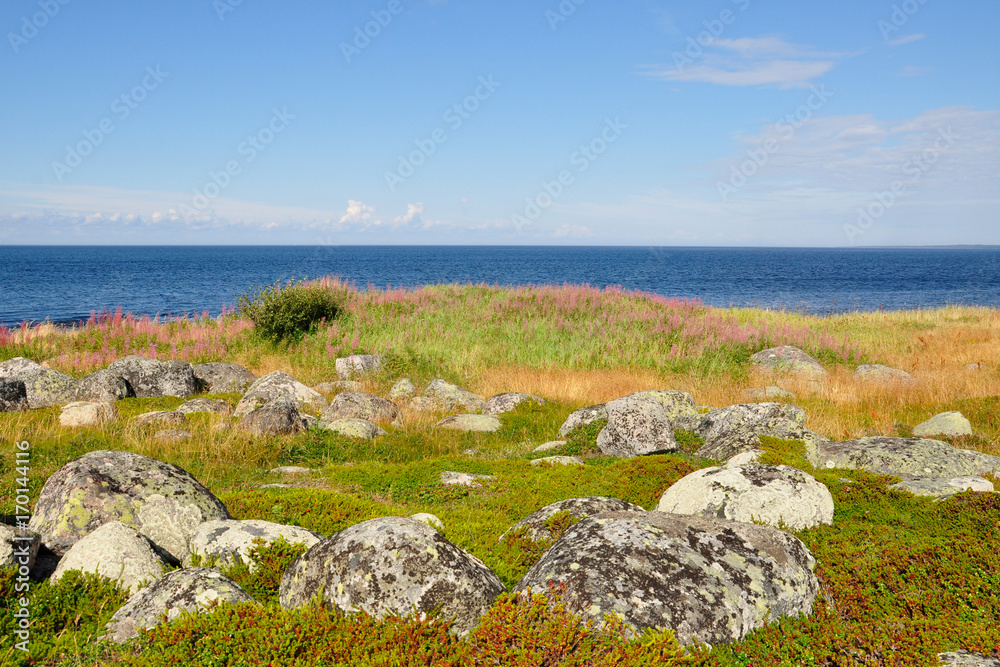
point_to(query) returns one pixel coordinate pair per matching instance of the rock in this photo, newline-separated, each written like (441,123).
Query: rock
(966,659)
(18,548)
(117,552)
(427,404)
(429,519)
(906,457)
(474,423)
(152,378)
(229,542)
(278,417)
(975,367)
(393,565)
(172,435)
(87,414)
(339,386)
(102,385)
(736,429)
(537,523)
(358,364)
(769,394)
(195,590)
(679,405)
(452,478)
(745,458)
(454,397)
(160,418)
(549,446)
(788,359)
(353,428)
(13,396)
(222,378)
(637,425)
(752,493)
(948,424)
(501,403)
(18,366)
(711,581)
(308,421)
(557,460)
(291,470)
(46,388)
(280,385)
(582,417)
(402,391)
(208,405)
(877,373)
(160,500)
(355,405)
(943,487)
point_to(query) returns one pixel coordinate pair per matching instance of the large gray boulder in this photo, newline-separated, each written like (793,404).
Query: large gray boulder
(453,397)
(537,523)
(582,417)
(194,590)
(278,385)
(710,580)
(222,378)
(736,429)
(966,659)
(277,417)
(47,388)
(679,405)
(473,423)
(775,495)
(501,403)
(87,414)
(117,552)
(402,391)
(904,457)
(160,500)
(879,374)
(357,405)
(637,425)
(788,359)
(18,548)
(13,396)
(362,429)
(357,365)
(230,542)
(948,424)
(102,385)
(393,565)
(14,368)
(944,487)
(160,418)
(152,378)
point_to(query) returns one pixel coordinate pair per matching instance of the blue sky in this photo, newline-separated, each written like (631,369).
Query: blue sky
(732,122)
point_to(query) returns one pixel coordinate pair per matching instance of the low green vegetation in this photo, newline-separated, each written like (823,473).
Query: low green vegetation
(288,312)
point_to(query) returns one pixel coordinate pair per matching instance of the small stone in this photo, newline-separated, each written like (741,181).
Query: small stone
(87,414)
(502,403)
(771,393)
(361,429)
(160,418)
(452,478)
(966,659)
(788,359)
(427,404)
(13,543)
(943,487)
(358,364)
(975,367)
(877,373)
(948,424)
(549,446)
(582,417)
(402,391)
(429,519)
(557,460)
(208,405)
(473,423)
(291,470)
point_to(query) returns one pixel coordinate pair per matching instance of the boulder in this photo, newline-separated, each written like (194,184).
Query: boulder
(966,659)
(537,523)
(229,542)
(277,417)
(582,417)
(393,565)
(194,590)
(222,378)
(291,470)
(160,418)
(361,429)
(87,414)
(454,397)
(46,388)
(877,373)
(102,385)
(943,487)
(355,405)
(358,364)
(402,391)
(280,385)
(172,435)
(338,386)
(557,460)
(152,378)
(160,500)
(430,519)
(775,495)
(745,458)
(679,405)
(18,548)
(771,393)
(426,404)
(13,396)
(737,428)
(501,403)
(475,423)
(710,580)
(14,368)
(117,552)
(975,367)
(948,424)
(788,359)
(202,405)
(637,425)
(549,446)
(904,457)
(452,478)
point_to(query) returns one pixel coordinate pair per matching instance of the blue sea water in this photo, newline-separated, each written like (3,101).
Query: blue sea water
(65,283)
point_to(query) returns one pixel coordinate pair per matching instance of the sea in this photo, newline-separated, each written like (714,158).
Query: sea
(65,284)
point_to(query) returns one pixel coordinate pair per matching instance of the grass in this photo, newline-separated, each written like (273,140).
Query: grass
(902,577)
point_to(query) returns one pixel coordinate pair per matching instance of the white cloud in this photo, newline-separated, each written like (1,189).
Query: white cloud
(358,213)
(575,231)
(906,39)
(413,212)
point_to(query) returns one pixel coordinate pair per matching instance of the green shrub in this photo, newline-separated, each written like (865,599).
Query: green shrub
(288,312)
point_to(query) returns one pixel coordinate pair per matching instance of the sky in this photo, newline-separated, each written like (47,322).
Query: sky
(539,122)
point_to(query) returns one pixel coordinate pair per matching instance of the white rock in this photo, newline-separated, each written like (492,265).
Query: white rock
(951,424)
(117,552)
(87,414)
(557,460)
(549,446)
(451,478)
(429,519)
(231,541)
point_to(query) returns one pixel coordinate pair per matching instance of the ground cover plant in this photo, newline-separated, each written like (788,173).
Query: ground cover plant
(902,577)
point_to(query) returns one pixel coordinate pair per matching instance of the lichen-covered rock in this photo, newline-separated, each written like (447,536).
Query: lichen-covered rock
(205,405)
(230,542)
(278,385)
(877,373)
(46,388)
(277,417)
(356,405)
(152,378)
(358,364)
(473,481)
(402,391)
(582,417)
(557,460)
(752,493)
(679,405)
(14,368)
(454,397)
(430,519)
(87,414)
(102,385)
(906,457)
(223,378)
(788,359)
(966,659)
(709,580)
(338,386)
(361,429)
(536,524)
(637,425)
(13,396)
(943,487)
(426,404)
(393,565)
(160,418)
(737,428)
(948,424)
(195,590)
(501,403)
(549,446)
(474,423)
(117,552)
(771,393)
(160,500)
(18,548)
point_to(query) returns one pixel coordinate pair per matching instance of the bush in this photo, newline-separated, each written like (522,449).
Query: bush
(288,312)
